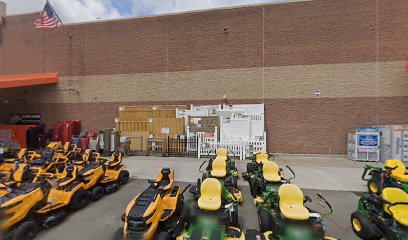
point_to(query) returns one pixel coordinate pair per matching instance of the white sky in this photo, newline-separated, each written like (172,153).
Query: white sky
(90,10)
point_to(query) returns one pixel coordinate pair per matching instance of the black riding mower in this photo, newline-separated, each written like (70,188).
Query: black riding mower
(384,216)
(156,210)
(393,175)
(219,169)
(208,218)
(282,215)
(269,182)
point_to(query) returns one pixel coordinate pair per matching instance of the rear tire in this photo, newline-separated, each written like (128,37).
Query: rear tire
(264,220)
(163,236)
(363,227)
(253,186)
(79,200)
(234,182)
(26,231)
(234,218)
(123,177)
(97,193)
(250,168)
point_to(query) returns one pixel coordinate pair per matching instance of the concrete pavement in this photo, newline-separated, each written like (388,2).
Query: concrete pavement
(101,220)
(312,172)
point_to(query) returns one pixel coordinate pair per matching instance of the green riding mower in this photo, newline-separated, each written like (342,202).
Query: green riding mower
(207,218)
(225,173)
(254,168)
(269,182)
(282,215)
(382,216)
(393,175)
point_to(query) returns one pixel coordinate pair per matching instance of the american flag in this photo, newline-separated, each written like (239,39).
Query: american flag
(48,18)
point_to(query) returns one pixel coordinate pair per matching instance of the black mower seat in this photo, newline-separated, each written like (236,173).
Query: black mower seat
(116,159)
(69,175)
(165,179)
(46,157)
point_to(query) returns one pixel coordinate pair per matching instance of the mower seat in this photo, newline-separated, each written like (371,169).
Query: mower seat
(46,157)
(271,172)
(261,157)
(399,212)
(291,203)
(399,173)
(219,167)
(210,197)
(116,159)
(165,179)
(68,176)
(22,153)
(78,159)
(222,152)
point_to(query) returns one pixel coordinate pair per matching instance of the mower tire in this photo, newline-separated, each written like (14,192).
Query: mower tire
(26,231)
(363,227)
(234,182)
(253,186)
(163,236)
(250,168)
(123,177)
(264,220)
(97,193)
(79,200)
(234,218)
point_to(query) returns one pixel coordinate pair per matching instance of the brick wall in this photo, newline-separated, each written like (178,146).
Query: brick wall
(278,54)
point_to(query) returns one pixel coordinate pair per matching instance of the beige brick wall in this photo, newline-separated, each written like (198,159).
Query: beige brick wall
(333,80)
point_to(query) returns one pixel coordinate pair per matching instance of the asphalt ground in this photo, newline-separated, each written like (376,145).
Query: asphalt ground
(101,220)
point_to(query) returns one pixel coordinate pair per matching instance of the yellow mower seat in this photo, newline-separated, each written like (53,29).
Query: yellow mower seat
(222,152)
(210,197)
(271,172)
(400,172)
(219,167)
(261,157)
(399,212)
(291,203)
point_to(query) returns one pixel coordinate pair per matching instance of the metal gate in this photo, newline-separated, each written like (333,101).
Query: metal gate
(187,147)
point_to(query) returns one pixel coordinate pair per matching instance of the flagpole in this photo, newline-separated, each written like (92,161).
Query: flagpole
(55,12)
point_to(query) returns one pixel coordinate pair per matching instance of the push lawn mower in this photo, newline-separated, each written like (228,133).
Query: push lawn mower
(283,215)
(270,181)
(393,175)
(155,210)
(225,173)
(384,216)
(207,218)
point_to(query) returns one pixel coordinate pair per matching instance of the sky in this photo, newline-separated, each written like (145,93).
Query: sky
(71,11)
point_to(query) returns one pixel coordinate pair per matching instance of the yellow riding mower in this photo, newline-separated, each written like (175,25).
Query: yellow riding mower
(207,218)
(255,167)
(155,210)
(9,159)
(116,174)
(17,210)
(220,169)
(28,207)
